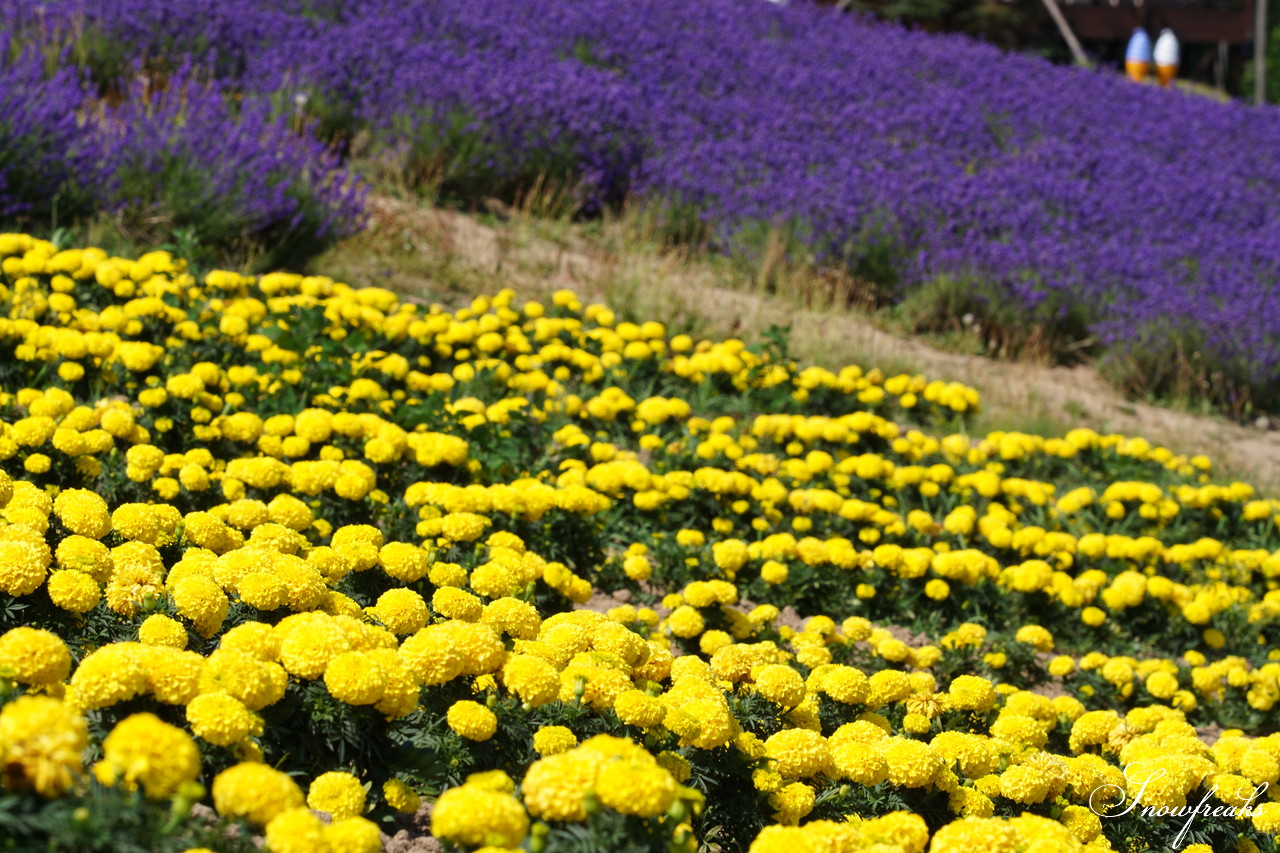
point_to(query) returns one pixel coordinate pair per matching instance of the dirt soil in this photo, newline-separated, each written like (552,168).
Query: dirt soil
(422,250)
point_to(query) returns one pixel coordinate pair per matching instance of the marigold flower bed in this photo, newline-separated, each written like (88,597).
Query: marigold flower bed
(289,549)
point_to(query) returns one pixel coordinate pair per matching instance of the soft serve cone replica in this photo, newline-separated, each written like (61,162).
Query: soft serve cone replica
(1167,55)
(1137,56)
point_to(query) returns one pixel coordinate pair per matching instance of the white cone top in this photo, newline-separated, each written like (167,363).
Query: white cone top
(1167,51)
(1139,49)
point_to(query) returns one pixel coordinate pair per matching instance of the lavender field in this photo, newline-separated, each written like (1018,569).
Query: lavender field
(1142,220)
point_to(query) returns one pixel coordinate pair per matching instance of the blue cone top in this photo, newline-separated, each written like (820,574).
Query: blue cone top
(1139,49)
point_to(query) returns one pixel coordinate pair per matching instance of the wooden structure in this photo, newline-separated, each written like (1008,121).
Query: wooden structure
(1224,22)
(1202,21)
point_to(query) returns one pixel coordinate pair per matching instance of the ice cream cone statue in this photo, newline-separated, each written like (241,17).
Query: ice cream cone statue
(1166,56)
(1137,56)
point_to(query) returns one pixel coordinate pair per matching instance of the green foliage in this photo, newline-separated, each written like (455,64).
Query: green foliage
(110,820)
(454,159)
(1249,77)
(964,308)
(1006,24)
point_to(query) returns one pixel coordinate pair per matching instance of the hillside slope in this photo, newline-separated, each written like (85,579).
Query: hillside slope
(435,253)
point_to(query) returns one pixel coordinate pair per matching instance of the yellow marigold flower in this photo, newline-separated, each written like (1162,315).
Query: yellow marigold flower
(532,679)
(254,682)
(1023,784)
(305,588)
(887,685)
(637,567)
(937,589)
(859,762)
(42,743)
(1260,766)
(916,724)
(308,646)
(869,728)
(262,590)
(514,617)
(86,555)
(144,750)
(906,830)
(555,786)
(290,512)
(471,815)
(845,684)
(492,780)
(970,802)
(400,796)
(1019,729)
(675,764)
(404,562)
(912,764)
(1092,729)
(296,830)
(792,802)
(403,611)
(173,675)
(34,656)
(73,591)
(1266,818)
(339,794)
(805,715)
(730,555)
(637,708)
(552,740)
(355,678)
(439,653)
(353,835)
(1093,616)
(463,526)
(137,522)
(1062,666)
(497,580)
(636,787)
(109,675)
(83,512)
(1086,826)
(256,639)
(457,604)
(972,754)
(971,693)
(24,560)
(976,835)
(781,684)
(1035,635)
(712,641)
(133,585)
(430,655)
(221,719)
(685,622)
(254,791)
(472,720)
(799,753)
(160,630)
(1162,685)
(202,601)
(37,463)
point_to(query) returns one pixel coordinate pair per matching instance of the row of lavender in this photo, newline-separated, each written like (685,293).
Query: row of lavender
(185,162)
(1150,218)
